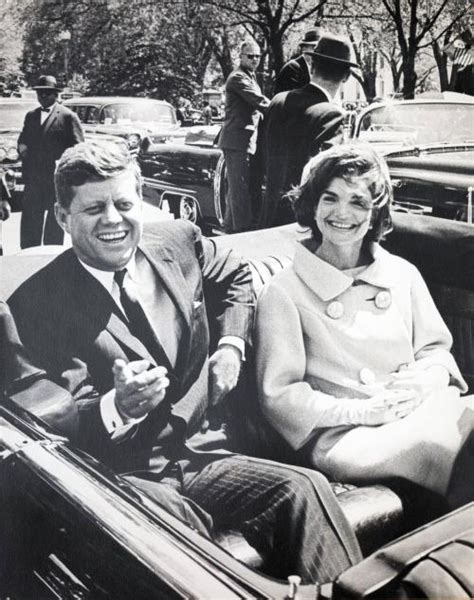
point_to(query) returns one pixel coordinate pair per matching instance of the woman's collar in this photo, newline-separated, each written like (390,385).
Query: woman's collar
(328,282)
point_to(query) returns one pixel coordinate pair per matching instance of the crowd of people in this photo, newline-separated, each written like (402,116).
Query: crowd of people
(352,355)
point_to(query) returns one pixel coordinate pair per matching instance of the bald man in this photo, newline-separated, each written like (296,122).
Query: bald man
(244,107)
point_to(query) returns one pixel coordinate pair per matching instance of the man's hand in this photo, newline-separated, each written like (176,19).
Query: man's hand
(22,150)
(5,210)
(224,369)
(137,389)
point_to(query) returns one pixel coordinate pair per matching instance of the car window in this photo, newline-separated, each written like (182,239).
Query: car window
(415,124)
(137,112)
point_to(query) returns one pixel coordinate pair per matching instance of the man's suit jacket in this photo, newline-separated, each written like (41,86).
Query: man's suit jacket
(46,142)
(73,329)
(293,75)
(297,124)
(243,110)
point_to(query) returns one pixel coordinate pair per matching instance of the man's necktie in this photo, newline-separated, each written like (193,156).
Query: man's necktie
(139,324)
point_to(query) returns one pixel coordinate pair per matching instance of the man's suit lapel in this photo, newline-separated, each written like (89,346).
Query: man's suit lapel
(51,119)
(102,311)
(170,275)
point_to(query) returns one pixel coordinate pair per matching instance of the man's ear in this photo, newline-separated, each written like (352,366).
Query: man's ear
(62,216)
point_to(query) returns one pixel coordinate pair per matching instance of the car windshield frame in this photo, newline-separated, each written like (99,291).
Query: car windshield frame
(411,124)
(124,113)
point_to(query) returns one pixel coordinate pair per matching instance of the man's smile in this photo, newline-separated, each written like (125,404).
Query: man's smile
(116,236)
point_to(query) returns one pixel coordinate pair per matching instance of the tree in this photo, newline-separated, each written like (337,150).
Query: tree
(11,40)
(269,21)
(416,23)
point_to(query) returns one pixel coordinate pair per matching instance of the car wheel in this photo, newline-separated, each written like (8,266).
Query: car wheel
(220,190)
(186,208)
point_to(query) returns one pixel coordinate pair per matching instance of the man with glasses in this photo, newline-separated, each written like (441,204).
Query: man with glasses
(245,104)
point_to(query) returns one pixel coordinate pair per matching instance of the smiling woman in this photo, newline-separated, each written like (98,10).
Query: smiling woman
(366,360)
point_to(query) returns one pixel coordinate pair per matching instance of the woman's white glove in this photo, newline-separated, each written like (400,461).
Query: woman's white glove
(384,407)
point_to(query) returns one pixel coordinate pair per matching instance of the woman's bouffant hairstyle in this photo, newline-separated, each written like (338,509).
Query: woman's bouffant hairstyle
(95,160)
(351,161)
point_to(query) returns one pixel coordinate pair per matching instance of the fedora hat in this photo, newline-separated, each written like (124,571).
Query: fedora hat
(312,36)
(336,49)
(47,82)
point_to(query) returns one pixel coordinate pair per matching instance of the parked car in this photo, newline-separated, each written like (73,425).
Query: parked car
(71,529)
(430,141)
(12,115)
(429,147)
(140,121)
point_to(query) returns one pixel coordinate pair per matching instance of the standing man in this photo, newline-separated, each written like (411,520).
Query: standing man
(244,106)
(120,320)
(300,121)
(296,72)
(47,132)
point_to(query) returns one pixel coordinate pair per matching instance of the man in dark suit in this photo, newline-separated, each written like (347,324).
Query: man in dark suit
(296,72)
(47,132)
(244,106)
(121,321)
(300,121)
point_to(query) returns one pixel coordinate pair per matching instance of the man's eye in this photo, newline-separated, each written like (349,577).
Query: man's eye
(124,205)
(93,210)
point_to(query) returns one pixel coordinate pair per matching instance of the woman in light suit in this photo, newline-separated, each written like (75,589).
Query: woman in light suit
(353,359)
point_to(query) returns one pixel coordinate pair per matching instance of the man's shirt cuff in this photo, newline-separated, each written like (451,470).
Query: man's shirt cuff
(233,340)
(112,419)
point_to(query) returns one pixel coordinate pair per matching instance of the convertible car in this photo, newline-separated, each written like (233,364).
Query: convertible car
(72,529)
(429,146)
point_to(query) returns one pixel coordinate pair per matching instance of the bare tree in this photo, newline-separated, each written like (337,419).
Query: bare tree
(269,21)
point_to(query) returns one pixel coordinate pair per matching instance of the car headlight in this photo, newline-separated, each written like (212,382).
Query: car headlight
(12,153)
(133,141)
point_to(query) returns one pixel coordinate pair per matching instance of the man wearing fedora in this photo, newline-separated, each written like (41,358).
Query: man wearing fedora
(296,72)
(47,131)
(300,121)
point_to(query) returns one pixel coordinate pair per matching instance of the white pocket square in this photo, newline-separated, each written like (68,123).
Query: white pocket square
(196,304)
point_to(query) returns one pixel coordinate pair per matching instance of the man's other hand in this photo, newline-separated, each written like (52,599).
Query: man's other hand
(137,389)
(5,210)
(224,369)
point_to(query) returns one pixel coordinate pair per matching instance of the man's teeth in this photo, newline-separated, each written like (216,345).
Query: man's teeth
(110,237)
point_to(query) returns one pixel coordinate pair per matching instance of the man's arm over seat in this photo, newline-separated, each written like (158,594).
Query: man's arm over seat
(29,386)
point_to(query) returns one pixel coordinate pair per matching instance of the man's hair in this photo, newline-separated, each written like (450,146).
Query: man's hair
(329,69)
(352,162)
(92,161)
(249,44)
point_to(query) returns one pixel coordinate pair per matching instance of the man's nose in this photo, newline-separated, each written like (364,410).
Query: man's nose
(111,214)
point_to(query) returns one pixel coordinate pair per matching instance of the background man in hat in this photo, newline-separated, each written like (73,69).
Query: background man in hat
(300,121)
(244,106)
(47,132)
(296,72)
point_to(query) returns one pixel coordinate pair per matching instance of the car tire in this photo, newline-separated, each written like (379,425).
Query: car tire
(185,208)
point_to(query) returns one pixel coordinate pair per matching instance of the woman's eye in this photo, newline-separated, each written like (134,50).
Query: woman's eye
(328,199)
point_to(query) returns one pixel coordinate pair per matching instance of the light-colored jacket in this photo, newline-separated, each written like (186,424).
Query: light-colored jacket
(320,331)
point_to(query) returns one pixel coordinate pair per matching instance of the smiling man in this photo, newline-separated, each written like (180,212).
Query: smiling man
(120,320)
